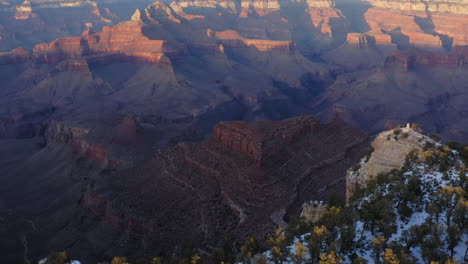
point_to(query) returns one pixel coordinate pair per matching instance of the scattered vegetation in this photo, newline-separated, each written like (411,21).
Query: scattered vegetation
(417,214)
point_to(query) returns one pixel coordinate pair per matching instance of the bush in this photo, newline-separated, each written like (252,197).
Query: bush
(369,153)
(119,260)
(250,248)
(428,145)
(435,136)
(378,213)
(57,258)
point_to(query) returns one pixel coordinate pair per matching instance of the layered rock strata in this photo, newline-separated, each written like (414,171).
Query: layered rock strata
(260,140)
(389,151)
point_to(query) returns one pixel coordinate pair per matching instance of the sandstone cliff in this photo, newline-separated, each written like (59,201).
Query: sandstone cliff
(449,6)
(389,150)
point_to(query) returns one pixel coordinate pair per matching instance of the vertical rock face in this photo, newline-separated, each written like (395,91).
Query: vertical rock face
(424,24)
(312,211)
(37,21)
(325,17)
(415,59)
(449,6)
(260,140)
(390,149)
(24,11)
(124,40)
(359,40)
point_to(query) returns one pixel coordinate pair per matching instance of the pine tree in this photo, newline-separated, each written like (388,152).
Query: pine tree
(250,248)
(317,241)
(119,260)
(330,258)
(378,244)
(278,245)
(300,251)
(389,257)
(195,259)
(156,260)
(57,258)
(453,237)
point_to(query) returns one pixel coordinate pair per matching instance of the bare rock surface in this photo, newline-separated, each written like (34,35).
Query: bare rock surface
(389,151)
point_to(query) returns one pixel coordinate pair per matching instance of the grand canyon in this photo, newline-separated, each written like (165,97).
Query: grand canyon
(141,128)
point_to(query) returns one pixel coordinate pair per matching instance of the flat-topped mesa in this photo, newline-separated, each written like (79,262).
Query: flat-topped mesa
(18,55)
(320,3)
(59,3)
(259,140)
(260,7)
(124,41)
(390,149)
(232,39)
(435,25)
(179,5)
(242,7)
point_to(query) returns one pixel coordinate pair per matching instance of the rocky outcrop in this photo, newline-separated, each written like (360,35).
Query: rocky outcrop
(37,21)
(260,140)
(122,42)
(24,11)
(17,55)
(447,6)
(424,24)
(360,40)
(401,29)
(326,18)
(415,59)
(232,39)
(389,151)
(264,168)
(117,183)
(125,39)
(261,8)
(179,5)
(312,211)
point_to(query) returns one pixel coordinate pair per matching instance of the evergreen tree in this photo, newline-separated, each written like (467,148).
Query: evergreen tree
(119,260)
(389,257)
(330,258)
(300,251)
(58,258)
(453,237)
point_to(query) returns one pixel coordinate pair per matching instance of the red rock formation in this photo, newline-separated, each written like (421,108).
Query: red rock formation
(125,39)
(427,24)
(400,27)
(359,40)
(75,65)
(260,140)
(18,55)
(232,39)
(89,151)
(414,58)
(325,17)
(453,26)
(206,188)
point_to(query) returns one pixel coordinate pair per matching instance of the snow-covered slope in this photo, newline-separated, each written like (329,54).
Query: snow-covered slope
(415,214)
